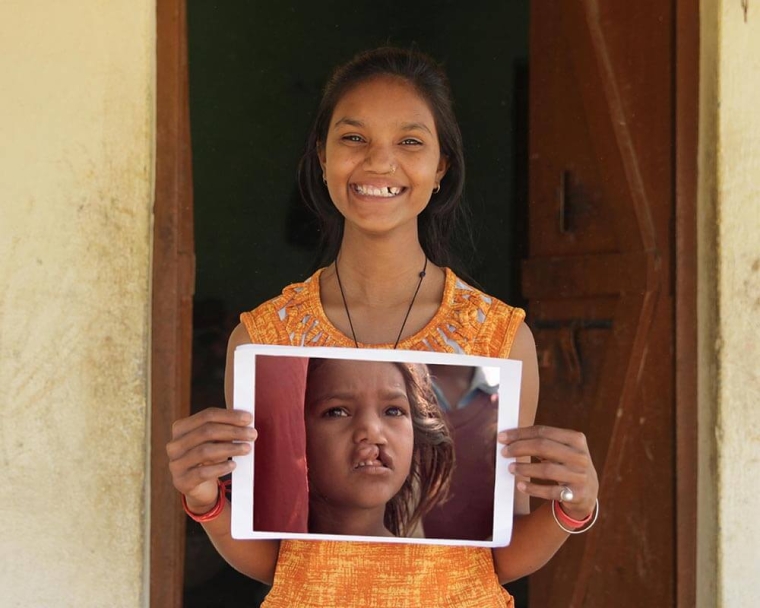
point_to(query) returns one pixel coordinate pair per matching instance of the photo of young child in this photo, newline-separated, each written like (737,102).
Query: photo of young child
(363,445)
(379,453)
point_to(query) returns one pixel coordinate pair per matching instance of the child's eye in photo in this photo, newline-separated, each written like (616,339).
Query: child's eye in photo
(335,412)
(395,411)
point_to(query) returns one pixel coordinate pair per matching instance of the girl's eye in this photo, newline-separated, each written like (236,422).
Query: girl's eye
(353,138)
(395,411)
(410,141)
(335,412)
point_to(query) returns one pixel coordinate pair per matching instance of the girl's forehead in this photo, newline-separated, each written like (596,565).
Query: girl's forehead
(355,375)
(386,98)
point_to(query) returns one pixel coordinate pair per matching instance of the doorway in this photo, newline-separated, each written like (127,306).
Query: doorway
(502,200)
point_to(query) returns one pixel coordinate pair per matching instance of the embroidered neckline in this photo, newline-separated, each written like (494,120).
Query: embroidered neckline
(314,303)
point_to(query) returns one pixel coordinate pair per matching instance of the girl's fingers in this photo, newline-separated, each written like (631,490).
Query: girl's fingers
(563,458)
(567,437)
(581,505)
(547,449)
(218,415)
(208,433)
(207,454)
(548,471)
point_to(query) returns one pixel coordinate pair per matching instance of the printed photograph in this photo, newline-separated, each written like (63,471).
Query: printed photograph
(395,446)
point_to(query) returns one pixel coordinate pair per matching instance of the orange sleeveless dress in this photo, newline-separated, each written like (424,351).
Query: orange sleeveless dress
(343,574)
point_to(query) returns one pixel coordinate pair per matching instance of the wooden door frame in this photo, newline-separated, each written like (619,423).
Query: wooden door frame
(686,139)
(173,283)
(173,287)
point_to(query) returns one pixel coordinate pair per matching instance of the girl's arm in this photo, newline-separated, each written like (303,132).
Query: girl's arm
(564,459)
(199,454)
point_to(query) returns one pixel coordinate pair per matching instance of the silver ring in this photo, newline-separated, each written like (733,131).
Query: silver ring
(566,495)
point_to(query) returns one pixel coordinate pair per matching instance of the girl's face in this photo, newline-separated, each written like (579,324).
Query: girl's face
(359,435)
(381,157)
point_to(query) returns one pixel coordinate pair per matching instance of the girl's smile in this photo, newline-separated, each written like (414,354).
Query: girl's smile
(381,159)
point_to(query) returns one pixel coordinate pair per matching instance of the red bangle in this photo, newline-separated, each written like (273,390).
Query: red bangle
(573,524)
(215,511)
(570,521)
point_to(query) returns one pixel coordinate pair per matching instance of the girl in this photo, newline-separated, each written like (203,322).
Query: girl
(384,171)
(375,439)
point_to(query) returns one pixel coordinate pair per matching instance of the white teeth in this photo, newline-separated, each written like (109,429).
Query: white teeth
(368,463)
(385,192)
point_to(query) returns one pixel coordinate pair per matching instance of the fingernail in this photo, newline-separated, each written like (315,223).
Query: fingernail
(521,486)
(502,437)
(505,450)
(512,467)
(246,417)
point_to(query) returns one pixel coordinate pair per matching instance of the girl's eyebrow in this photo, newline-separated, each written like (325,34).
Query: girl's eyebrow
(351,122)
(407,126)
(415,126)
(349,395)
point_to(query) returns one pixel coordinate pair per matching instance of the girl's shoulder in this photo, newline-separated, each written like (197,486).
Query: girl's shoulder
(476,323)
(285,319)
(468,321)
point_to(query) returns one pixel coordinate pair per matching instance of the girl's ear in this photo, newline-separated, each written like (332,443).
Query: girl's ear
(321,155)
(443,166)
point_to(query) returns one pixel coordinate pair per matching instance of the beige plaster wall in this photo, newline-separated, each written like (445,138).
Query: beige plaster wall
(76,163)
(729,307)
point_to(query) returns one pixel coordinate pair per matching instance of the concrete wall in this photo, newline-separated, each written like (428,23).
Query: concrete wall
(76,158)
(76,168)
(729,306)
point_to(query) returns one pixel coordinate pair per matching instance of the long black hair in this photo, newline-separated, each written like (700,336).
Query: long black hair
(445,211)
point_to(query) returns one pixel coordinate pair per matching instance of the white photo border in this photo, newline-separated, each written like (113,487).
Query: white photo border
(510,372)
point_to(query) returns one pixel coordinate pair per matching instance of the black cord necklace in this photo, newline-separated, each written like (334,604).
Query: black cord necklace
(408,310)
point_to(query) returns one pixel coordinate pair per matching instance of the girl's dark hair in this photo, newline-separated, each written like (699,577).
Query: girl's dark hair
(433,456)
(444,212)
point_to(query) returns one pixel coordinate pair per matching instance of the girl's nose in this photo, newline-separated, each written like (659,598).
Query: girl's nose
(369,428)
(379,158)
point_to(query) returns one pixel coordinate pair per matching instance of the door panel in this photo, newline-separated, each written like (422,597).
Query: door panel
(601,202)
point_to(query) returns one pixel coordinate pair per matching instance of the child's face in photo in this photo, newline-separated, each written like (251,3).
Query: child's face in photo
(359,433)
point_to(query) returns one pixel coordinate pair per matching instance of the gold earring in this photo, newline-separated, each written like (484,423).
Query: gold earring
(437,189)
(324,179)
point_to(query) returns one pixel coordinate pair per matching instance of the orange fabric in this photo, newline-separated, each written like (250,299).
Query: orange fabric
(341,573)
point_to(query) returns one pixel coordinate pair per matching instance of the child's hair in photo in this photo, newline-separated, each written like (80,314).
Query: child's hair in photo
(433,457)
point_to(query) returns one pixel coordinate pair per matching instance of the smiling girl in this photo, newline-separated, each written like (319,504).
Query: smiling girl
(384,172)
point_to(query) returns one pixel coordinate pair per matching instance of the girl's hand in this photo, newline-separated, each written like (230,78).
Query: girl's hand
(563,458)
(200,450)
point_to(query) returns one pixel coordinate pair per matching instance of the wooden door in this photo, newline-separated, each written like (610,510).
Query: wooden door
(598,283)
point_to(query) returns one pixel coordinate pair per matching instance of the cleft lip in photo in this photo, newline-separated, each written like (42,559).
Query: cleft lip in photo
(373,460)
